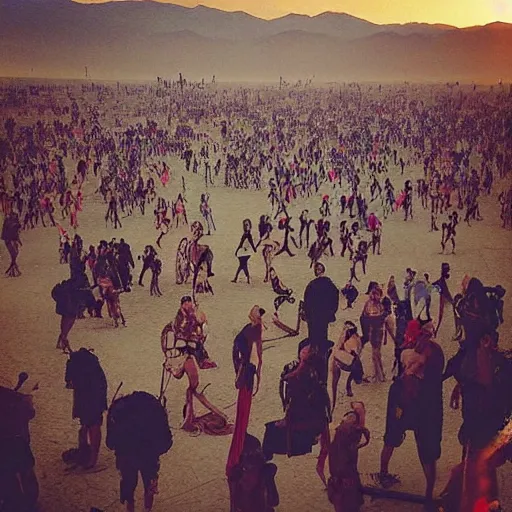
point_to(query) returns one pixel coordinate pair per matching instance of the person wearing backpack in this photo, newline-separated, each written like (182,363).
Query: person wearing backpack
(139,433)
(85,376)
(71,296)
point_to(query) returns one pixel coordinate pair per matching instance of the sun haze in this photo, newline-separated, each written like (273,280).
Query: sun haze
(460,13)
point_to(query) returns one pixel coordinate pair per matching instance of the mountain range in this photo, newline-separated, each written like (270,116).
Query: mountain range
(143,39)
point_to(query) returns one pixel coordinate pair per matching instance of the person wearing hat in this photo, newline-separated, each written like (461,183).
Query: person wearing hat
(321,301)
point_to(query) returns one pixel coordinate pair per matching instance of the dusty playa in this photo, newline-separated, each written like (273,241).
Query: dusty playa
(192,473)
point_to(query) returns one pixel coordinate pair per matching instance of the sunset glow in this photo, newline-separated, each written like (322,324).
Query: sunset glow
(460,13)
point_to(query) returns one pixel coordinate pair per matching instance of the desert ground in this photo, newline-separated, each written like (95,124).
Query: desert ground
(192,472)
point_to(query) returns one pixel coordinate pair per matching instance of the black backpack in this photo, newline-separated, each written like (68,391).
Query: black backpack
(138,424)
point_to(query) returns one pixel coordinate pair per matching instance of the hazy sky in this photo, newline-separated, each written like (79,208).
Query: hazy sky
(461,13)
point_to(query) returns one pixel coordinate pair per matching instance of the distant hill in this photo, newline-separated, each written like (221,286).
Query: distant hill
(140,40)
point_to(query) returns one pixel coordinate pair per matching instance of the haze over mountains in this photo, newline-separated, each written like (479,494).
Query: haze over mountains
(143,39)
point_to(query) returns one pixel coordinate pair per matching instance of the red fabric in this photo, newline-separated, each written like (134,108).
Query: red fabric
(373,222)
(400,199)
(412,332)
(62,231)
(481,506)
(243,410)
(165,177)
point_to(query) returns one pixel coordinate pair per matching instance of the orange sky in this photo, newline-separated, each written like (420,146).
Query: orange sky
(461,13)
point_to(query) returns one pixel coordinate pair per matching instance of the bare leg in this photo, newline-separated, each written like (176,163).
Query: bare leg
(95,442)
(430,475)
(385,458)
(349,385)
(188,423)
(336,374)
(325,441)
(377,364)
(66,323)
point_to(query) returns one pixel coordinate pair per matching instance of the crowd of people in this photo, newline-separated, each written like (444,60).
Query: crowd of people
(346,151)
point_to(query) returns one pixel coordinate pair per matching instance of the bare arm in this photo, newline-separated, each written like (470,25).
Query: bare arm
(259,352)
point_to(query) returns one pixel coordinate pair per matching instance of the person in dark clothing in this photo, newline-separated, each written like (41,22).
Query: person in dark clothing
(351,293)
(138,431)
(321,300)
(307,411)
(125,261)
(244,251)
(284,224)
(11,236)
(252,486)
(323,353)
(246,373)
(305,226)
(415,402)
(70,296)
(19,488)
(148,259)
(85,376)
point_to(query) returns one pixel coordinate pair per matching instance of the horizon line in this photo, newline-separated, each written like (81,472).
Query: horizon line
(311,16)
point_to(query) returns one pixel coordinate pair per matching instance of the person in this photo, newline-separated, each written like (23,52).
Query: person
(69,296)
(483,377)
(344,484)
(156,270)
(111,296)
(284,225)
(147,261)
(19,488)
(85,376)
(361,255)
(252,486)
(284,294)
(373,326)
(446,296)
(11,236)
(307,411)
(181,212)
(350,292)
(245,371)
(125,261)
(321,301)
(215,422)
(270,246)
(243,251)
(206,212)
(417,407)
(138,431)
(190,324)
(305,226)
(346,357)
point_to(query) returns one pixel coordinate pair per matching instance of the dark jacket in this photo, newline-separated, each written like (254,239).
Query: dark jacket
(321,300)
